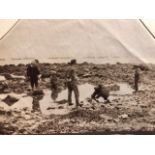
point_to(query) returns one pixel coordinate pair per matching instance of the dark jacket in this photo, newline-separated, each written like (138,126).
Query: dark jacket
(33,72)
(100,92)
(137,76)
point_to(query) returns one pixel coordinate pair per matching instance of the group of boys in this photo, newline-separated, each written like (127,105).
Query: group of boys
(33,74)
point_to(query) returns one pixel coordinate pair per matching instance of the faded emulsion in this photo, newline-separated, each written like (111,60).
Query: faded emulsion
(77,77)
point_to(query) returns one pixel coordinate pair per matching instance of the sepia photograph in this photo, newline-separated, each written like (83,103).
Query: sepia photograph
(77,76)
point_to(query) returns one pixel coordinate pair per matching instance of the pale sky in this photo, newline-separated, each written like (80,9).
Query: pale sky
(6,24)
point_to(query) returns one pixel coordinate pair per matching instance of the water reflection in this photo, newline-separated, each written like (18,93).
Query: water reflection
(45,104)
(35,103)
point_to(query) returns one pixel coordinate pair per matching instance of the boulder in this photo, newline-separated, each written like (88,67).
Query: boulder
(45,75)
(49,108)
(10,100)
(2,111)
(38,93)
(19,90)
(87,75)
(3,87)
(142,67)
(21,65)
(124,116)
(62,101)
(7,76)
(60,107)
(143,105)
(6,91)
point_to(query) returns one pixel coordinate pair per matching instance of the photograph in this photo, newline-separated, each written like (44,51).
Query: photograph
(77,76)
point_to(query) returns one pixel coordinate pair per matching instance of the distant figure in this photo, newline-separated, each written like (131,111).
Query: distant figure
(33,73)
(100,91)
(72,85)
(136,79)
(54,86)
(73,62)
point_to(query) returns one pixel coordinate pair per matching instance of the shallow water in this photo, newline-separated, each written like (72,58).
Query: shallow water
(46,102)
(95,60)
(47,106)
(23,102)
(125,89)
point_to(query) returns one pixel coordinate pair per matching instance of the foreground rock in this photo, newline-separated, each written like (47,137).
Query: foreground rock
(7,76)
(3,87)
(10,100)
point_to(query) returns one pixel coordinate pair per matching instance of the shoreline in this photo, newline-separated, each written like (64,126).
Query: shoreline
(126,114)
(93,60)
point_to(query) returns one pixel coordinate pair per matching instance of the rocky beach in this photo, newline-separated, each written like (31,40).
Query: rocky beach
(24,112)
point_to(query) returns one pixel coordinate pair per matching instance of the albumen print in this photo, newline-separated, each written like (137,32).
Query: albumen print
(80,76)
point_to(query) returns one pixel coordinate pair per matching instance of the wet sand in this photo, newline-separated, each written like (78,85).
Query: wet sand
(128,112)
